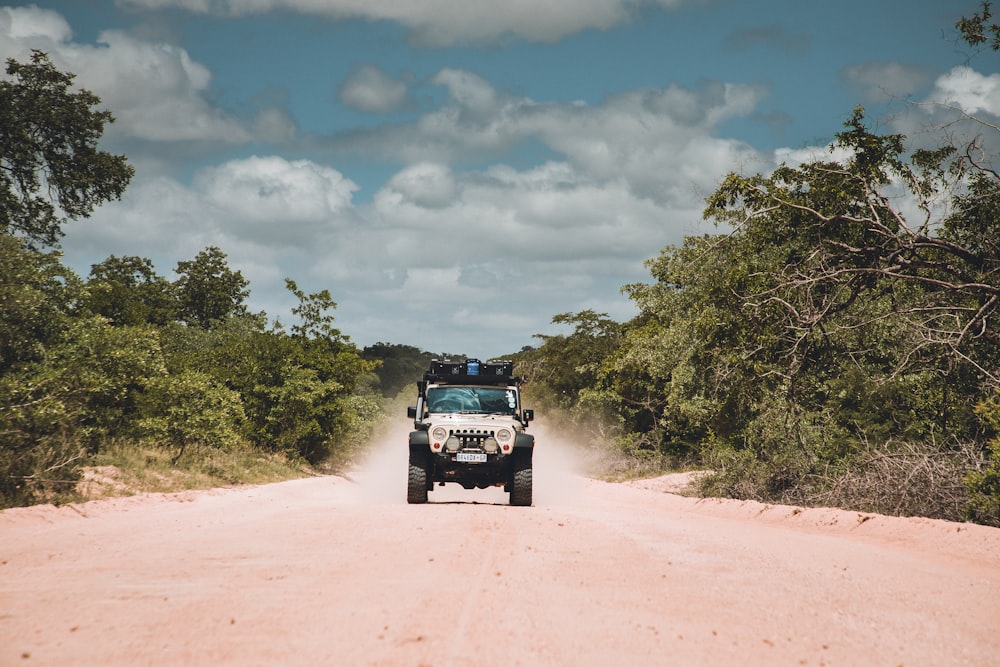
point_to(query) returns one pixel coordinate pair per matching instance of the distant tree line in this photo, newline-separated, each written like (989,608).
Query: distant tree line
(400,366)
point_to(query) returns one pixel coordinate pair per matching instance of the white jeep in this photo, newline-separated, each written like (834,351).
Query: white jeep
(470,429)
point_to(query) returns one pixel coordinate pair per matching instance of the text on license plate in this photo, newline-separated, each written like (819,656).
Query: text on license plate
(470,457)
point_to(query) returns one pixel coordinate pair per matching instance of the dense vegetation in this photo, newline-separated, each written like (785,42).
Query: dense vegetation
(835,342)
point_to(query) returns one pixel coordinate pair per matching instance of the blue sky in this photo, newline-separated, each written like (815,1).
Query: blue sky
(456,172)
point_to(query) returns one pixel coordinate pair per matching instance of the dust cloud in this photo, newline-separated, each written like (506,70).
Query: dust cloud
(380,475)
(559,467)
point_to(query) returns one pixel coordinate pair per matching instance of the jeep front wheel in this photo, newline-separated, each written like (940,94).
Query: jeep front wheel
(520,487)
(416,486)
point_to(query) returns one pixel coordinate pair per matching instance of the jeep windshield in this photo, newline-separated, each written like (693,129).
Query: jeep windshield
(482,400)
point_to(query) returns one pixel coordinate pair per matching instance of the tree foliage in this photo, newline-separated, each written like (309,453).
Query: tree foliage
(37,294)
(208,291)
(117,358)
(191,409)
(977,29)
(51,170)
(856,265)
(128,291)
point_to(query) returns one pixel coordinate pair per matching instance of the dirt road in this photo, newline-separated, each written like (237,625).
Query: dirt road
(335,571)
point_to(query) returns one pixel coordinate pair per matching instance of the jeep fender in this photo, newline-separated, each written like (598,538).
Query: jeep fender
(419,440)
(524,441)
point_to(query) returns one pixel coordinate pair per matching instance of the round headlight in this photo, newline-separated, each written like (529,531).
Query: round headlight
(439,434)
(503,435)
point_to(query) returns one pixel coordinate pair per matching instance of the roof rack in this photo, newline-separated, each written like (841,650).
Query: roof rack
(472,371)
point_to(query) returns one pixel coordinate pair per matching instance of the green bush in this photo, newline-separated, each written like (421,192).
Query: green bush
(191,409)
(984,483)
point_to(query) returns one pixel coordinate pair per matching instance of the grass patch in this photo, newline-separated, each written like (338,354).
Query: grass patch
(128,469)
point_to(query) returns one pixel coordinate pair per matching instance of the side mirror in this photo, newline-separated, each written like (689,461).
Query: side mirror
(529,415)
(417,412)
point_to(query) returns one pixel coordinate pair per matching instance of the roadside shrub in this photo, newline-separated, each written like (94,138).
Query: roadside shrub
(782,448)
(58,409)
(191,410)
(901,479)
(984,490)
(41,470)
(984,481)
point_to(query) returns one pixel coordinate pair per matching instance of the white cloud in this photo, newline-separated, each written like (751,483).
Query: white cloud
(278,206)
(373,90)
(794,157)
(545,215)
(427,185)
(275,126)
(468,90)
(968,89)
(156,91)
(31,24)
(271,193)
(443,22)
(434,244)
(157,218)
(660,141)
(950,113)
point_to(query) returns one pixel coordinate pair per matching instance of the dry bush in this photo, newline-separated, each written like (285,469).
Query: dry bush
(902,479)
(614,464)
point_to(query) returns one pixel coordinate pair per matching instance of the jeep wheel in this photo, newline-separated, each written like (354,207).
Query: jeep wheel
(520,488)
(416,487)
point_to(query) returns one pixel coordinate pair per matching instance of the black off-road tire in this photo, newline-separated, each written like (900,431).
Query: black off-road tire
(416,485)
(520,486)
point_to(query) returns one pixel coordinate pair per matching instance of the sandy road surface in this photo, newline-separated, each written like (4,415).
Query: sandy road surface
(331,571)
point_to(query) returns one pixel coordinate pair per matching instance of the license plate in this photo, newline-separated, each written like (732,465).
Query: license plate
(470,457)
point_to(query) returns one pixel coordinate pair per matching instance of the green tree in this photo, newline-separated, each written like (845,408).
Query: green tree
(683,363)
(313,311)
(984,483)
(299,391)
(565,364)
(51,170)
(826,329)
(850,246)
(977,28)
(37,296)
(208,291)
(321,346)
(191,409)
(328,369)
(128,291)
